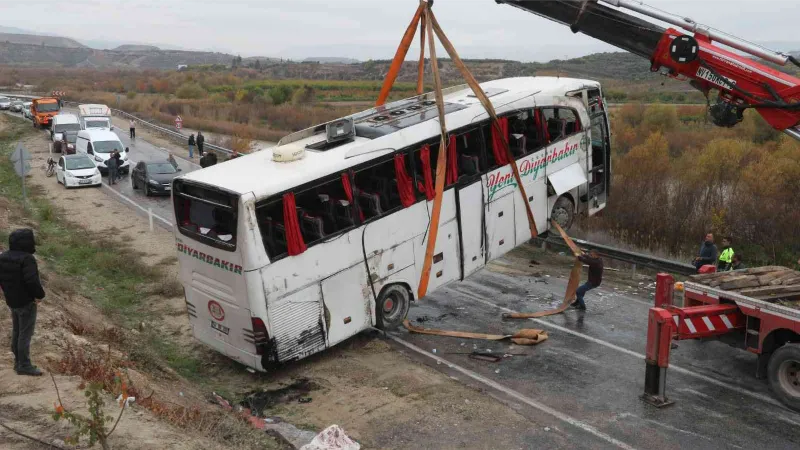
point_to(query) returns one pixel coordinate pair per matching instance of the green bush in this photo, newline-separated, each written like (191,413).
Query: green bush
(190,91)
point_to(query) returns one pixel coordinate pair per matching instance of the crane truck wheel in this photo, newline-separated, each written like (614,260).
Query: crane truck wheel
(392,306)
(563,212)
(783,371)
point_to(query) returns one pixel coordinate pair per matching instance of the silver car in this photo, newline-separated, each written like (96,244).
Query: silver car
(5,103)
(16,106)
(26,110)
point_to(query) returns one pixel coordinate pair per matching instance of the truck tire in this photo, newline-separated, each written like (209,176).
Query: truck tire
(391,308)
(783,372)
(563,213)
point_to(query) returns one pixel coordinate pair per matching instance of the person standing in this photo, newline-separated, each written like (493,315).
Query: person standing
(191,145)
(22,288)
(708,253)
(595,263)
(120,162)
(200,141)
(726,256)
(111,164)
(171,159)
(737,262)
(133,129)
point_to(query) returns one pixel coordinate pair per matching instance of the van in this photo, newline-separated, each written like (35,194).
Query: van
(64,123)
(95,117)
(99,144)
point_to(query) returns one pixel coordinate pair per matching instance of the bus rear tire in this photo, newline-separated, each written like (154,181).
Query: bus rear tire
(563,213)
(783,372)
(392,307)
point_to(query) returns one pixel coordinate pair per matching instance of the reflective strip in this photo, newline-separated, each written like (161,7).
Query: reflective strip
(708,323)
(726,321)
(675,318)
(689,324)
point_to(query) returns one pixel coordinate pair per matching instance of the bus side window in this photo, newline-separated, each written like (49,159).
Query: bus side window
(468,152)
(419,169)
(323,210)
(376,189)
(561,122)
(273,232)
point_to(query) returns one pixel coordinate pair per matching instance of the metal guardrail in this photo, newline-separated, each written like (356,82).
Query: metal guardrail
(637,259)
(153,126)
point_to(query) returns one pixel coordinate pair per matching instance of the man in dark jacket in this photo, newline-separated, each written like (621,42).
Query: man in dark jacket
(595,263)
(200,141)
(19,279)
(708,253)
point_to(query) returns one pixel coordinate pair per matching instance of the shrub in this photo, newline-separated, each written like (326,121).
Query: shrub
(190,91)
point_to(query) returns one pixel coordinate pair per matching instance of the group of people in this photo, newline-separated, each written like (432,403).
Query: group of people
(199,142)
(726,260)
(114,163)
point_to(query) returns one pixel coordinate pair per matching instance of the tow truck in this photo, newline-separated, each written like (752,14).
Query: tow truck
(711,61)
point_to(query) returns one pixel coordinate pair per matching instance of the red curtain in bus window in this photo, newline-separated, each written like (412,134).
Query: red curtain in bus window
(348,191)
(404,186)
(294,238)
(185,213)
(498,149)
(577,124)
(425,156)
(537,117)
(452,163)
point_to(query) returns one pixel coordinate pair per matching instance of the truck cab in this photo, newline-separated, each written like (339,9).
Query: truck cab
(43,109)
(95,117)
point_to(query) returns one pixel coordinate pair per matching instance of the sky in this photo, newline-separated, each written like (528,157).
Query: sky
(364,29)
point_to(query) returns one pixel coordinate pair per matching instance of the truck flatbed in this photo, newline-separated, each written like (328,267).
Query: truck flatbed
(763,286)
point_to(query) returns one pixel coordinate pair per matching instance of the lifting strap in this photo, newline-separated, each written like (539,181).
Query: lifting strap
(424,16)
(572,284)
(525,336)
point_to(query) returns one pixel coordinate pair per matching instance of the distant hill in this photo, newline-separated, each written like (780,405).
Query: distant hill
(136,48)
(48,41)
(331,60)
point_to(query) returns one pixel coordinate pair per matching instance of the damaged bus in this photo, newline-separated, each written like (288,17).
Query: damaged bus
(291,250)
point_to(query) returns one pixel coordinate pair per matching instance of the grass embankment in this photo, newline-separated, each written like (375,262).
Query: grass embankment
(114,278)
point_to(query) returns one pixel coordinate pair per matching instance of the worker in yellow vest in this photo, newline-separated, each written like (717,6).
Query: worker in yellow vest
(726,256)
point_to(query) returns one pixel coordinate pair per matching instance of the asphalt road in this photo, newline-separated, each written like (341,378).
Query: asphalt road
(591,369)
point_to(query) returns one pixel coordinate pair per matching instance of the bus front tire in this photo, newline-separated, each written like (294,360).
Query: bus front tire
(392,307)
(564,213)
(783,371)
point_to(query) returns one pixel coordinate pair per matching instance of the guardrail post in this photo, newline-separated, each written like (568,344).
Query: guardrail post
(150,215)
(633,274)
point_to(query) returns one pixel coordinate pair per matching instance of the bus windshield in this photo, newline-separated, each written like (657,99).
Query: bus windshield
(206,214)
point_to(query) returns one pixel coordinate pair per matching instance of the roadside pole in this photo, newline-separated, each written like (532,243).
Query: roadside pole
(19,160)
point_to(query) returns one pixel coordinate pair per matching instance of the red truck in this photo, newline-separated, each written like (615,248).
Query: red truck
(762,319)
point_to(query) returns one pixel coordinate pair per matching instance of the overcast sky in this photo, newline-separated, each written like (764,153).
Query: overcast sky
(364,29)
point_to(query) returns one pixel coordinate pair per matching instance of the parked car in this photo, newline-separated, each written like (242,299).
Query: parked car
(26,110)
(77,170)
(99,144)
(154,177)
(5,102)
(16,106)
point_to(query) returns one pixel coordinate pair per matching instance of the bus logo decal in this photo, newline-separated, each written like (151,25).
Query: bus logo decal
(498,181)
(210,259)
(216,311)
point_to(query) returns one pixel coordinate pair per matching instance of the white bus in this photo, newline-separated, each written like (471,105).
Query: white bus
(280,260)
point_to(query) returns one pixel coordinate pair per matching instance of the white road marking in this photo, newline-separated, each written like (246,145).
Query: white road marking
(678,369)
(522,398)
(132,202)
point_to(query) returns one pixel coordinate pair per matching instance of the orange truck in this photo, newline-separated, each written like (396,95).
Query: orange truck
(43,109)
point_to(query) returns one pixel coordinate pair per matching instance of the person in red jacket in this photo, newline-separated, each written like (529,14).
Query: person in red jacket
(22,288)
(595,263)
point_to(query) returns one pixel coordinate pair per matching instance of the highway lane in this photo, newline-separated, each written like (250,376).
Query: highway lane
(591,369)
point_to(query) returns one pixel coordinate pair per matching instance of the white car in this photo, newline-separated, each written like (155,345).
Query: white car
(77,170)
(5,103)
(26,110)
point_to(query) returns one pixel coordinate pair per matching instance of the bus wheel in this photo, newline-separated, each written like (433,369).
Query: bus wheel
(783,372)
(392,307)
(563,212)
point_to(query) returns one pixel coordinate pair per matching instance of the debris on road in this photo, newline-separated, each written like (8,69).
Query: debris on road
(332,438)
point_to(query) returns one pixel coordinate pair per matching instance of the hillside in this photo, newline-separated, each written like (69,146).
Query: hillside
(48,41)
(136,48)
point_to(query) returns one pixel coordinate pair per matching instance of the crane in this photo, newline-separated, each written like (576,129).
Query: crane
(696,55)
